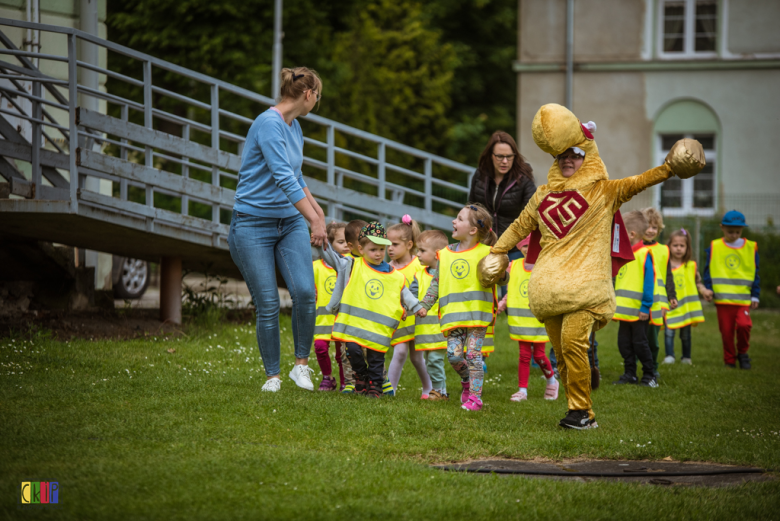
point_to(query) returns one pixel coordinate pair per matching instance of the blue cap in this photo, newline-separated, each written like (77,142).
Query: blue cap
(733,218)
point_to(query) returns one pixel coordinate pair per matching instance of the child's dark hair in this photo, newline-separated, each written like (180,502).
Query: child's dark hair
(352,231)
(435,238)
(332,228)
(407,232)
(682,232)
(480,218)
(636,222)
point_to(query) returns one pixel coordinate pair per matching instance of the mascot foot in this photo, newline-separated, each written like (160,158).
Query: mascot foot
(578,420)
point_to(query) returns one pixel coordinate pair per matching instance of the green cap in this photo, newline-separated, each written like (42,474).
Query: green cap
(375,233)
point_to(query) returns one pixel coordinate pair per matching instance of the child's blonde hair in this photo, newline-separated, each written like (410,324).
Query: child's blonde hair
(434,238)
(352,231)
(332,228)
(654,218)
(408,230)
(636,222)
(682,232)
(480,219)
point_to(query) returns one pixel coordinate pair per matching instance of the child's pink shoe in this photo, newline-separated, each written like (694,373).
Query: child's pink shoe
(424,397)
(519,396)
(327,384)
(464,396)
(472,404)
(551,392)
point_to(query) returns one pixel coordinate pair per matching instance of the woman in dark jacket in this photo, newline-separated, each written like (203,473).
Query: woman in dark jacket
(503,182)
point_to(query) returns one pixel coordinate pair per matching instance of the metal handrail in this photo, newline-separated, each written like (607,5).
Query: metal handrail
(335,174)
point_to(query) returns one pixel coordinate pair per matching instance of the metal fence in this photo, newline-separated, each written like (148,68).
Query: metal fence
(182,140)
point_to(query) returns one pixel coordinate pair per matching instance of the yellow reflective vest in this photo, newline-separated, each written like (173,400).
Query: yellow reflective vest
(489,342)
(523,325)
(427,331)
(370,308)
(463,301)
(629,284)
(733,271)
(688,310)
(660,254)
(405,331)
(324,281)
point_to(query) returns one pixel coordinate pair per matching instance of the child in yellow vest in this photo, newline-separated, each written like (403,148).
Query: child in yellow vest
(370,307)
(525,328)
(466,308)
(428,337)
(325,281)
(664,297)
(688,285)
(634,289)
(403,239)
(731,278)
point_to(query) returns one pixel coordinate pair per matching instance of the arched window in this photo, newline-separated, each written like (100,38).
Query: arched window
(698,195)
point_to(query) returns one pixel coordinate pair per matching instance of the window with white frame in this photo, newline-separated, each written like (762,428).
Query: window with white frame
(694,196)
(689,28)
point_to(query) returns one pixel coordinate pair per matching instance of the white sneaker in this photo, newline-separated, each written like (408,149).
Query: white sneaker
(686,361)
(272,385)
(300,374)
(669,360)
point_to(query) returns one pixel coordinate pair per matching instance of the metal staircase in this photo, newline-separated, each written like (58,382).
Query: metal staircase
(181,147)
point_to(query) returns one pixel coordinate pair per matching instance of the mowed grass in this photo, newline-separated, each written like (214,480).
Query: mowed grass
(131,431)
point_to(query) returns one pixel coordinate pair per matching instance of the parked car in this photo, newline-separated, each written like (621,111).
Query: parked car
(130,277)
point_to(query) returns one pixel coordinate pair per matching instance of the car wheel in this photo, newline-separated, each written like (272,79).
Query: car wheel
(133,279)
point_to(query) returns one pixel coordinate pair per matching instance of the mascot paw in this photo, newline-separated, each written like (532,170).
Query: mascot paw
(491,269)
(686,158)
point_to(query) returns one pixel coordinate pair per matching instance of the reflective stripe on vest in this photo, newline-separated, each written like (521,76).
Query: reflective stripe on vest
(628,287)
(324,281)
(523,325)
(488,343)
(660,253)
(688,310)
(427,331)
(463,301)
(733,271)
(370,308)
(405,331)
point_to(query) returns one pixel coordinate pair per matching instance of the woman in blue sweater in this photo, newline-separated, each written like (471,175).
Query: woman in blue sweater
(268,229)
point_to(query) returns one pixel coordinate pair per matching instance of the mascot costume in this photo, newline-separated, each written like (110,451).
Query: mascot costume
(578,243)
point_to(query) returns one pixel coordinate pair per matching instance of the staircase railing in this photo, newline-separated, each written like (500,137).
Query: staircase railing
(185,145)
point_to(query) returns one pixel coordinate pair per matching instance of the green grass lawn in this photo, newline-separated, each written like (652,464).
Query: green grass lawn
(133,432)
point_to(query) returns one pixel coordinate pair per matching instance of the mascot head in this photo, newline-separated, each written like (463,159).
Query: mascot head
(556,129)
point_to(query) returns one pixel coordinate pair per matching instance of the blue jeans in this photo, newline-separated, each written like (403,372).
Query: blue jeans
(258,246)
(685,337)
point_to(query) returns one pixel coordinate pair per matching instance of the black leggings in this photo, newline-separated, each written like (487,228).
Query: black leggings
(632,343)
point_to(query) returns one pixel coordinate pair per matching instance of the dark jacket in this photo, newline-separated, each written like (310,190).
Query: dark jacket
(510,201)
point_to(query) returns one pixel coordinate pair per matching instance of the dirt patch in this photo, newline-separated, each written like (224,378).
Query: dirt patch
(661,473)
(98,324)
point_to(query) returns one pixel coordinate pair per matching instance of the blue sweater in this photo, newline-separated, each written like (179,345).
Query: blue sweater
(648,286)
(270,181)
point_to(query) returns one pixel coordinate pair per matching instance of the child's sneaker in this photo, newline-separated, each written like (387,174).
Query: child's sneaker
(578,420)
(472,404)
(387,388)
(464,396)
(327,384)
(436,395)
(649,381)
(625,378)
(669,360)
(686,361)
(551,392)
(519,396)
(348,389)
(374,391)
(744,361)
(361,386)
(425,397)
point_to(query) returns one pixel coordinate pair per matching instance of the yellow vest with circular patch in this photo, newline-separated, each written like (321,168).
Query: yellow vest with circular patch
(427,331)
(324,281)
(629,283)
(733,271)
(405,331)
(688,310)
(523,325)
(370,308)
(463,301)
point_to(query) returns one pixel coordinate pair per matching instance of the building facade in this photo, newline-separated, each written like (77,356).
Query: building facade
(650,72)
